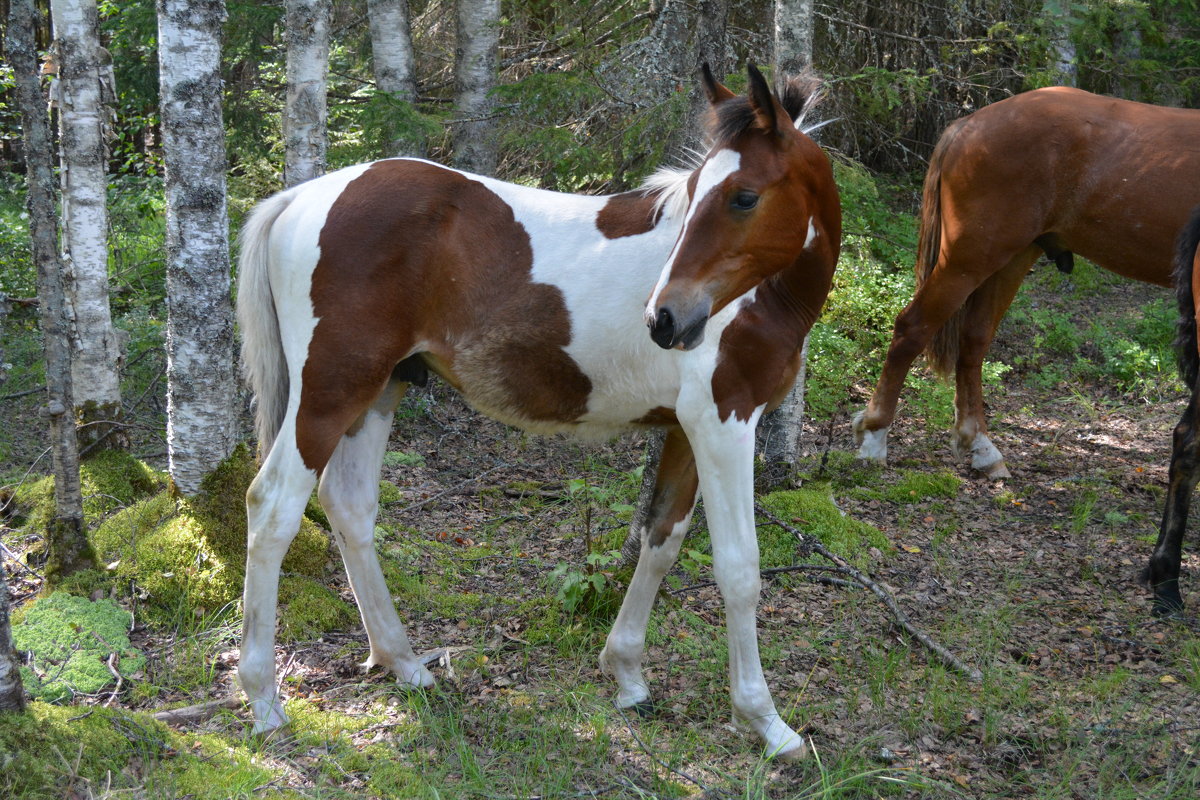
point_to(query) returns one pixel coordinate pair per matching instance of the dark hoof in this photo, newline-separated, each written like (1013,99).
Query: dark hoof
(644,709)
(1167,605)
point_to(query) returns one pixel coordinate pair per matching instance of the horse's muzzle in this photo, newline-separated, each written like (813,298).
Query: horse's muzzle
(669,333)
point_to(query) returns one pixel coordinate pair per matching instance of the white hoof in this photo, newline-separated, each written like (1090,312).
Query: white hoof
(412,674)
(270,719)
(986,458)
(872,445)
(632,691)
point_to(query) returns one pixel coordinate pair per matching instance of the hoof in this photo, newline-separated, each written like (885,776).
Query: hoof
(644,709)
(996,471)
(791,755)
(1166,606)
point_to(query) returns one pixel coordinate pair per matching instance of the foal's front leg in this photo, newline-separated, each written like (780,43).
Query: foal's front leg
(724,453)
(666,524)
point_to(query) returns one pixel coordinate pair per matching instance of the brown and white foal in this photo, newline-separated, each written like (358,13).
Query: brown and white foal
(532,305)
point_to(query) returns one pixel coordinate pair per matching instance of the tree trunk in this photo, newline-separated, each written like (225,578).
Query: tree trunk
(67,547)
(778,434)
(395,66)
(476,58)
(12,693)
(79,94)
(201,390)
(305,138)
(793,37)
(650,72)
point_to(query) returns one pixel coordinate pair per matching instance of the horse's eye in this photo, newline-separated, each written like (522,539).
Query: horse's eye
(744,201)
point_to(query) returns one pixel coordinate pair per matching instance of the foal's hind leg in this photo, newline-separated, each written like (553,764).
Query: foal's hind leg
(349,493)
(274,505)
(985,308)
(667,521)
(1162,572)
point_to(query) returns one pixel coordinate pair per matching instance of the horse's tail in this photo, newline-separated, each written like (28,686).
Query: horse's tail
(263,364)
(1185,331)
(942,351)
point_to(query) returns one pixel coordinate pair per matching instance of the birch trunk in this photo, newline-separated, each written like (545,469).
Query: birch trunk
(476,58)
(793,37)
(394,63)
(305,116)
(67,547)
(201,389)
(779,432)
(12,692)
(79,93)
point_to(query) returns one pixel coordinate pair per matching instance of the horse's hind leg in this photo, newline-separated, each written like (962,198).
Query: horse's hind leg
(349,493)
(667,521)
(984,310)
(934,302)
(274,505)
(1162,572)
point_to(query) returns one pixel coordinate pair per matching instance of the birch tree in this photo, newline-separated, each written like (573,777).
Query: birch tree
(12,692)
(305,115)
(201,389)
(779,432)
(83,88)
(394,64)
(476,57)
(67,547)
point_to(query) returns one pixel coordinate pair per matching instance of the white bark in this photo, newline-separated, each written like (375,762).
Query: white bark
(305,116)
(67,546)
(395,70)
(793,36)
(779,432)
(475,65)
(201,390)
(392,48)
(80,94)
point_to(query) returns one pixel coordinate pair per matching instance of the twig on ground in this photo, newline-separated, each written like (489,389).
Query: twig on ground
(198,712)
(451,490)
(770,571)
(811,544)
(112,667)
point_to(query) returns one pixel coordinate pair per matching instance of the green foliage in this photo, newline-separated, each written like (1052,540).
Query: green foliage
(915,486)
(880,92)
(590,590)
(72,641)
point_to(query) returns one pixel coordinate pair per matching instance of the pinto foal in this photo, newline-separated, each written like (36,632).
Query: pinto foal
(532,305)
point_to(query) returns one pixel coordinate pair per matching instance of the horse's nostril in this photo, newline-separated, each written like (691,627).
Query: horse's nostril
(662,331)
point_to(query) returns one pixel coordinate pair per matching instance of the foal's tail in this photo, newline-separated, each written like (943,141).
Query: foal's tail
(1185,331)
(263,364)
(942,350)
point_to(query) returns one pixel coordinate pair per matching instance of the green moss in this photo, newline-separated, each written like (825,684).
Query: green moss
(52,752)
(389,492)
(308,608)
(813,511)
(110,480)
(913,486)
(71,639)
(187,556)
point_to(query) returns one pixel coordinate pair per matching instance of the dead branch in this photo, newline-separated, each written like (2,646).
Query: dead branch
(189,715)
(812,544)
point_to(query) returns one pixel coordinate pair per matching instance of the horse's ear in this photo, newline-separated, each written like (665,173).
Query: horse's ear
(762,101)
(715,91)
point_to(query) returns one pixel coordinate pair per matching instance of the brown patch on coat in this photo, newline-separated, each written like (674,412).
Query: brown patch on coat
(659,416)
(420,260)
(627,214)
(675,487)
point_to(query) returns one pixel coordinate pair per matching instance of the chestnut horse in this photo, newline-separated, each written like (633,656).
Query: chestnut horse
(1055,171)
(532,304)
(1162,573)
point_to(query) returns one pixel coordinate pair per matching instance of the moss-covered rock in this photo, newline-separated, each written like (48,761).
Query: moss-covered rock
(72,640)
(185,557)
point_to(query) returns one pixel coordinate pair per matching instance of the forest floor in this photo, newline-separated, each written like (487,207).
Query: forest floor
(1031,579)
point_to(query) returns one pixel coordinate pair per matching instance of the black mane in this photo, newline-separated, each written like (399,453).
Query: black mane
(798,96)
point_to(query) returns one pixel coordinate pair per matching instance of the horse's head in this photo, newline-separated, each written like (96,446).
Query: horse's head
(762,201)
